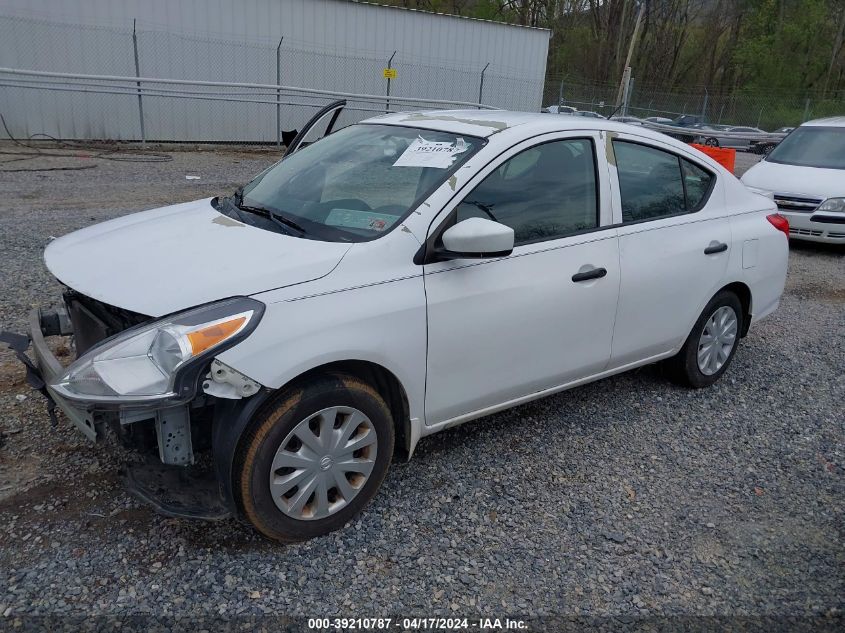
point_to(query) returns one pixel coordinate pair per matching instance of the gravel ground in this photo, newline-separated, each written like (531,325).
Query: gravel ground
(625,497)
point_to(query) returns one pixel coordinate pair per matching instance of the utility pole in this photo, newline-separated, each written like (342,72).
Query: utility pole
(626,84)
(628,94)
(626,71)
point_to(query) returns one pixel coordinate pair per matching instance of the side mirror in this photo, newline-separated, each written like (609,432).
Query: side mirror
(477,238)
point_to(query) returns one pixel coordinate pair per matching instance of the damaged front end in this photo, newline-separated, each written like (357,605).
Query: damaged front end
(154,382)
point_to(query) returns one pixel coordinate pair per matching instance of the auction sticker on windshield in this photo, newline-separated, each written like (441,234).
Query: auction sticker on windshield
(355,219)
(437,154)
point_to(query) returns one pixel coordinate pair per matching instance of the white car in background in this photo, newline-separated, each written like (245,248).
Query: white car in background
(659,120)
(559,109)
(391,280)
(630,120)
(735,142)
(806,175)
(589,114)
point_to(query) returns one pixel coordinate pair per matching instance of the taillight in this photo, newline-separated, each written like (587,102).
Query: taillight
(779,222)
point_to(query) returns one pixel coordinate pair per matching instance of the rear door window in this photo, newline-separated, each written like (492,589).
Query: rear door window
(654,183)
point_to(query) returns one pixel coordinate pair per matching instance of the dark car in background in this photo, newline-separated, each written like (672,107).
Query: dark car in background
(689,120)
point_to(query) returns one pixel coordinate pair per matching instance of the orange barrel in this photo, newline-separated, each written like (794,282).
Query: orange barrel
(725,157)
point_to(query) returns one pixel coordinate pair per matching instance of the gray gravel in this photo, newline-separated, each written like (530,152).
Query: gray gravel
(625,497)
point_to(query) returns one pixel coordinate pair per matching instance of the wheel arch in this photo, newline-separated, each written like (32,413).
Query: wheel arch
(743,293)
(384,382)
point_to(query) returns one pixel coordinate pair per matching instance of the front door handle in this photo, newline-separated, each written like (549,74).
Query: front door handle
(595,273)
(715,247)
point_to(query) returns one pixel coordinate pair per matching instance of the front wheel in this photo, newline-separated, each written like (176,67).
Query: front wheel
(710,347)
(313,458)
(711,142)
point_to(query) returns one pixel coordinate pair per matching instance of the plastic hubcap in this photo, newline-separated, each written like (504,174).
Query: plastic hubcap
(323,463)
(717,340)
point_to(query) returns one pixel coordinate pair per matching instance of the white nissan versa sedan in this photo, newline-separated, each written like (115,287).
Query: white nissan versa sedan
(393,279)
(806,174)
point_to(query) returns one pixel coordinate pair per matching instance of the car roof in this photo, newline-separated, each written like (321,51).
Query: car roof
(833,121)
(486,123)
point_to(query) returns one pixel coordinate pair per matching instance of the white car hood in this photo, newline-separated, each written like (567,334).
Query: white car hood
(159,261)
(810,181)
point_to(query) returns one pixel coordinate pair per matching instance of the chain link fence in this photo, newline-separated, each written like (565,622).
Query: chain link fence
(90,108)
(96,109)
(768,110)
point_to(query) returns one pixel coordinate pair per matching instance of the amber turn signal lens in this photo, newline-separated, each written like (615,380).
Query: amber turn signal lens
(211,335)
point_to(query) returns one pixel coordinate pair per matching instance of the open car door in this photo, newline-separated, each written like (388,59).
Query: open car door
(320,125)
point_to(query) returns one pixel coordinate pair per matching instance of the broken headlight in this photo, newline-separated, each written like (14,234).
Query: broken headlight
(153,361)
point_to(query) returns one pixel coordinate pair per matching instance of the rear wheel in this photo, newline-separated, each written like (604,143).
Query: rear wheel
(710,347)
(712,142)
(314,458)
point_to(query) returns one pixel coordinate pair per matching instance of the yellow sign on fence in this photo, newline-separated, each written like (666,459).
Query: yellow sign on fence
(389,73)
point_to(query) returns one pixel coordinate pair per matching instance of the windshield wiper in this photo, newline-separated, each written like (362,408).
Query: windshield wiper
(281,220)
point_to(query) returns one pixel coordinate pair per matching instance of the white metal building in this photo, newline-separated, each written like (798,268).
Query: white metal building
(327,44)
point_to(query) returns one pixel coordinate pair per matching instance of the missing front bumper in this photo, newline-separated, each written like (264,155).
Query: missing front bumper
(173,427)
(174,487)
(188,493)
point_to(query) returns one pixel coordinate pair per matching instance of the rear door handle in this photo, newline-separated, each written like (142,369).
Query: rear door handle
(595,273)
(715,247)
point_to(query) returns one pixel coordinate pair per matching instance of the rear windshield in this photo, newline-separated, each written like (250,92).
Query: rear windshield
(356,184)
(812,146)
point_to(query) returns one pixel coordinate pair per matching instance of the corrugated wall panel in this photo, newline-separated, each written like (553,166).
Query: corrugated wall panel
(328,44)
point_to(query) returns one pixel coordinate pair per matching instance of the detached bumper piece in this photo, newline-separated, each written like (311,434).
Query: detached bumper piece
(19,343)
(46,365)
(176,491)
(56,323)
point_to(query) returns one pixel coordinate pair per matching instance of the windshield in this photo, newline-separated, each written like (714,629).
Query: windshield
(812,146)
(357,183)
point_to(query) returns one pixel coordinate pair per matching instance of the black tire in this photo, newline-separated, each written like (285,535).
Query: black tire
(711,142)
(683,368)
(272,424)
